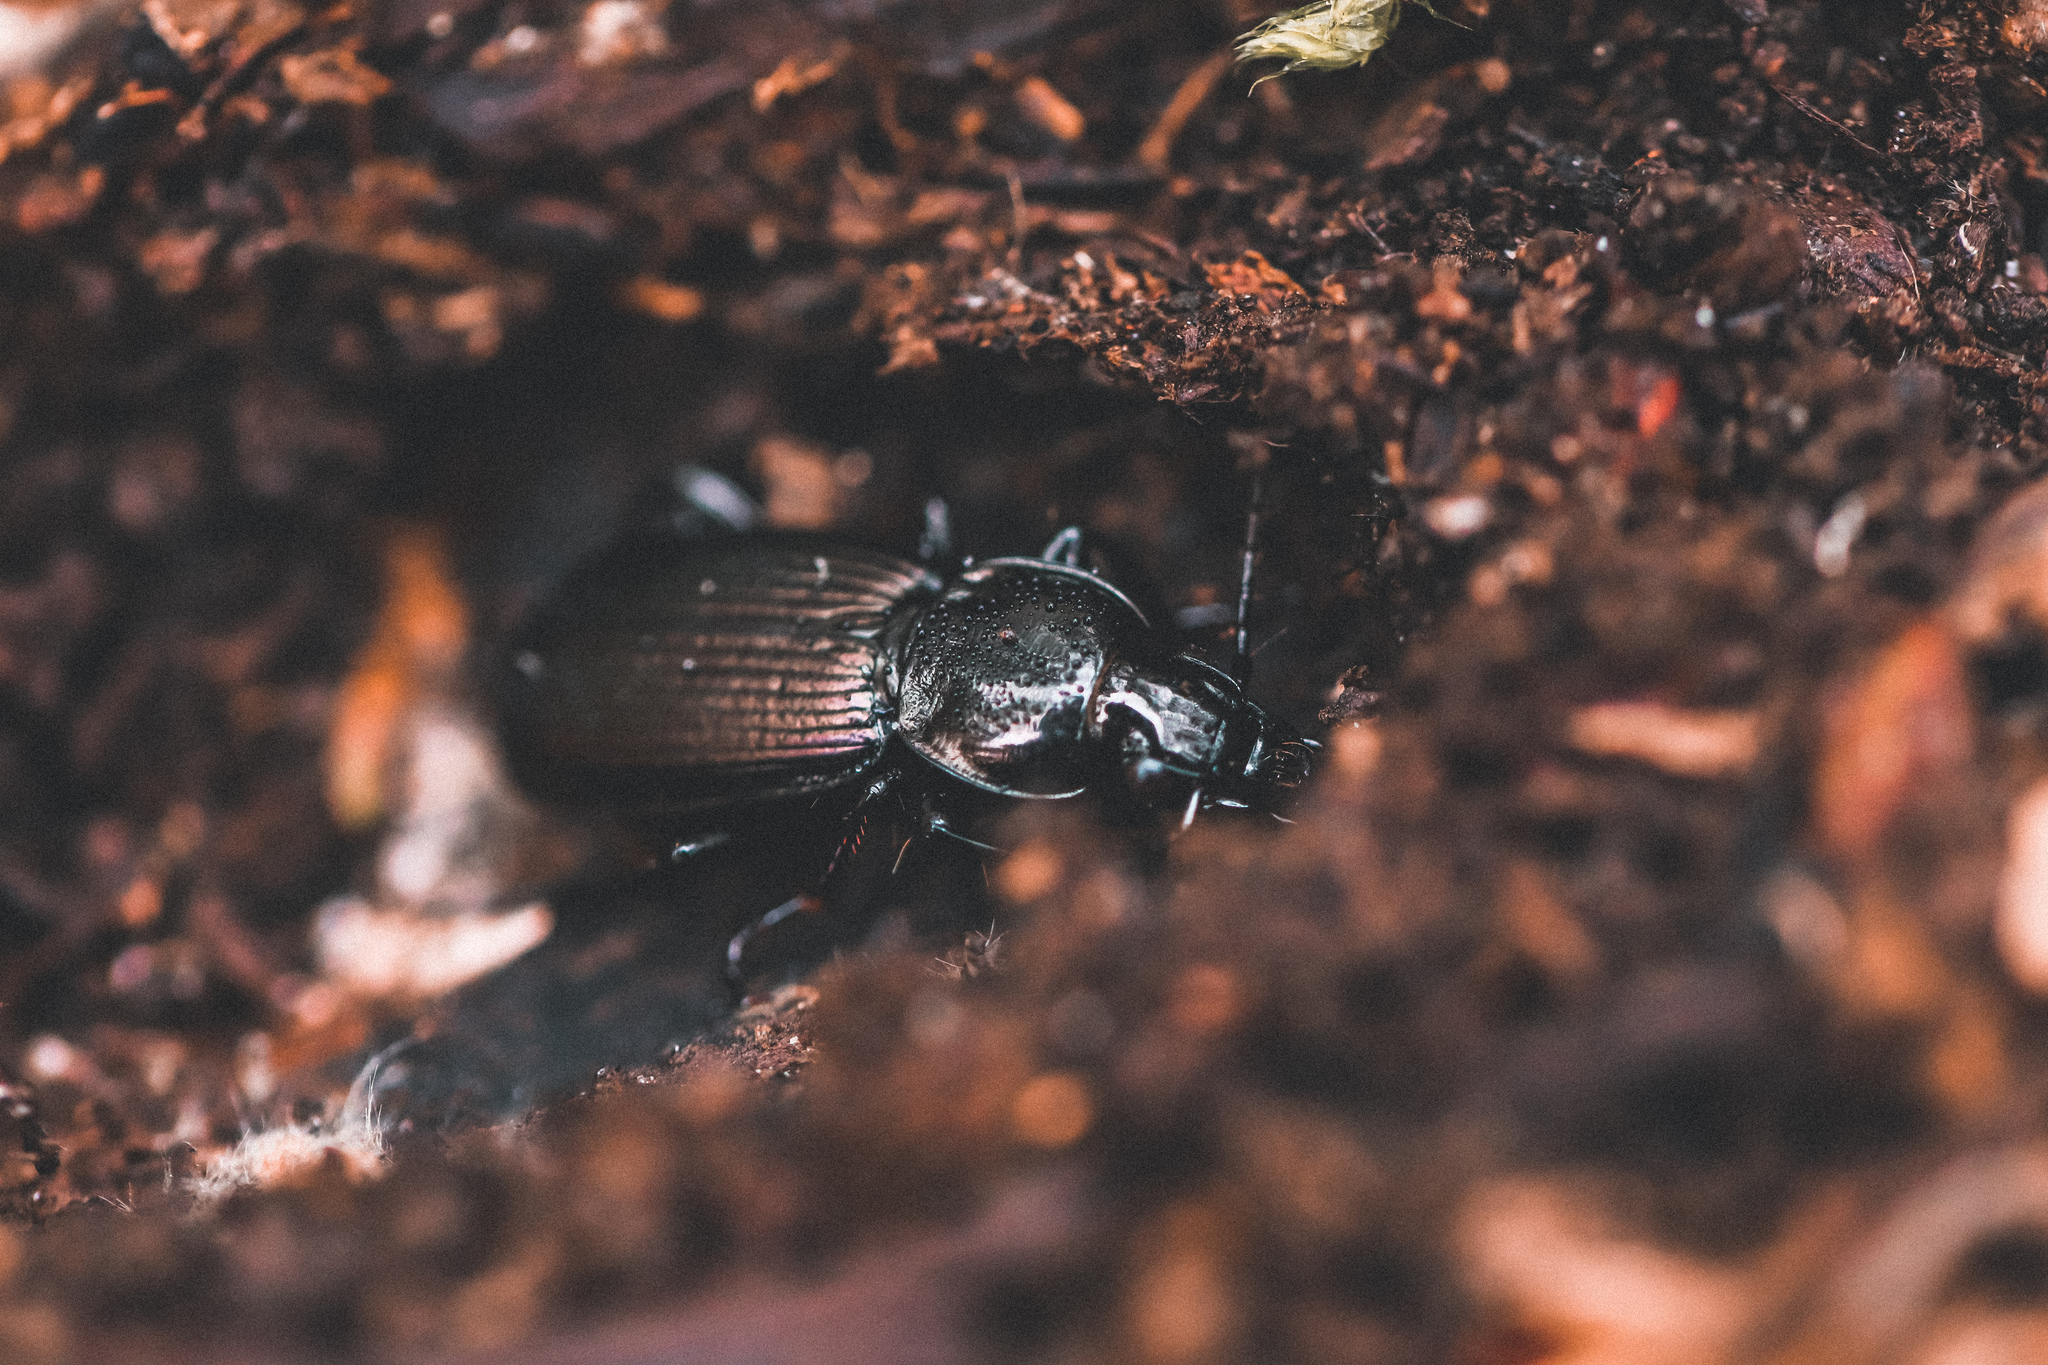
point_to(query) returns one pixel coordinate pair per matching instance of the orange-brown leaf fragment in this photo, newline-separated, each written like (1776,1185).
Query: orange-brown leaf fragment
(333,75)
(54,201)
(1905,720)
(1049,109)
(1052,1110)
(177,260)
(421,632)
(1659,406)
(1681,742)
(1253,274)
(1445,301)
(2008,575)
(189,27)
(2026,28)
(657,298)
(796,73)
(2022,918)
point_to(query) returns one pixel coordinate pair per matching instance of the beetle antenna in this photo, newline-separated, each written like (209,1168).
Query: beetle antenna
(1243,665)
(690,848)
(736,948)
(709,500)
(933,822)
(1064,548)
(1270,641)
(935,542)
(939,826)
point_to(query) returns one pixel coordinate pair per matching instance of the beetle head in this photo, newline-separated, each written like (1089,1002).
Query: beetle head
(1179,726)
(1278,764)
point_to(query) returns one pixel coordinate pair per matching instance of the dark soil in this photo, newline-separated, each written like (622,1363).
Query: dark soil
(1647,975)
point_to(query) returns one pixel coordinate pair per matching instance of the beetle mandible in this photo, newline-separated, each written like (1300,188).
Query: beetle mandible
(689,681)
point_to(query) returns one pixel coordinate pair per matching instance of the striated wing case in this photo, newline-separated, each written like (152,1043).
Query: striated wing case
(685,677)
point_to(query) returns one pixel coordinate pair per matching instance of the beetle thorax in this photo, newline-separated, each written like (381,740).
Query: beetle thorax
(997,675)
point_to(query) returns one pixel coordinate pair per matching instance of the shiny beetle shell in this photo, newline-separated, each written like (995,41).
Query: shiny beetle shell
(998,673)
(743,669)
(690,678)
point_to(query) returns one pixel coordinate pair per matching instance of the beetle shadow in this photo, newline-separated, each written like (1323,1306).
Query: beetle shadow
(636,966)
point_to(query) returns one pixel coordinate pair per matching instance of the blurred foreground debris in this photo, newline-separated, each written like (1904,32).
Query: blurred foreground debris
(404,748)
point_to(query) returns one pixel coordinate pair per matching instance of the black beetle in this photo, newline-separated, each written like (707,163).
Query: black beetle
(686,681)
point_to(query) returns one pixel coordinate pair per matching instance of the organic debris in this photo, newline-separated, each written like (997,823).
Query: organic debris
(1645,404)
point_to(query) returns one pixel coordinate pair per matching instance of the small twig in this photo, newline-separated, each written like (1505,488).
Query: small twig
(1990,362)
(1811,112)
(1912,256)
(1020,224)
(283,27)
(1156,151)
(1243,651)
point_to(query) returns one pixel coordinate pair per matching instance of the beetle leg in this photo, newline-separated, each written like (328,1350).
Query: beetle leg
(849,848)
(690,848)
(714,499)
(1187,817)
(736,949)
(935,543)
(857,818)
(849,845)
(850,842)
(931,822)
(1064,548)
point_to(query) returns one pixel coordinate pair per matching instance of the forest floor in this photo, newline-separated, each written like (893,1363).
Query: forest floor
(1648,403)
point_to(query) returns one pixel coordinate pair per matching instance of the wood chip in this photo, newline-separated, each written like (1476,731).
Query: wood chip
(1704,744)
